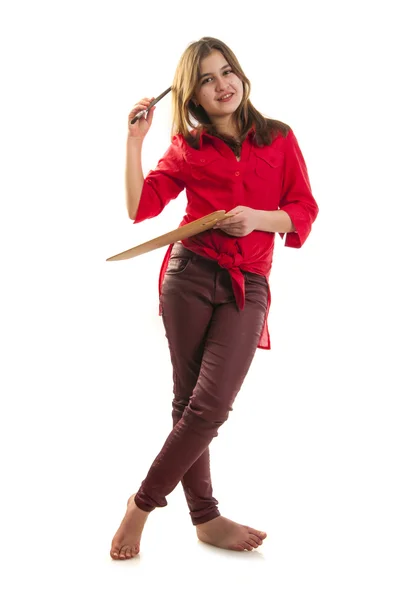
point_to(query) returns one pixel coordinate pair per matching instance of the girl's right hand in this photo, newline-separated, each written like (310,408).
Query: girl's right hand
(141,127)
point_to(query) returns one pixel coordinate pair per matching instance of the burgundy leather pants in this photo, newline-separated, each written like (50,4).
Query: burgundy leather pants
(212,344)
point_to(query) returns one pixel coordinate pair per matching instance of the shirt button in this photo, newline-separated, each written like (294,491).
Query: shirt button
(237,173)
(202,160)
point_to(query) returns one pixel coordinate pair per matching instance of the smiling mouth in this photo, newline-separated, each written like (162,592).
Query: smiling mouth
(225,97)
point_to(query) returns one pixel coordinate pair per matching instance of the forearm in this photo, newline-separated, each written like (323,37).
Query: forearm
(277,221)
(134,175)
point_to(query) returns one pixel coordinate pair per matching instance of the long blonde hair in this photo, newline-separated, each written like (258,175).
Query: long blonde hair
(185,112)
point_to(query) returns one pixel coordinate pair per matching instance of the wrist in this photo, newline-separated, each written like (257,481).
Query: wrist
(261,220)
(134,141)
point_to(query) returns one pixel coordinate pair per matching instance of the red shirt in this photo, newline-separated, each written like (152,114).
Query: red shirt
(268,178)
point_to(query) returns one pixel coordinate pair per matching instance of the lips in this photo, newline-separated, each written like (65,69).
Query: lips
(225,97)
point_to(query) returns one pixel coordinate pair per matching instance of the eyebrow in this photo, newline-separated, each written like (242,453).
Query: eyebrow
(206,74)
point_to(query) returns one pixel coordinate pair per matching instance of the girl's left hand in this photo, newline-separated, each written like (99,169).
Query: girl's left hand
(241,221)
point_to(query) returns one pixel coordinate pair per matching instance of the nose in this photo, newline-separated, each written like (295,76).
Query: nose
(220,84)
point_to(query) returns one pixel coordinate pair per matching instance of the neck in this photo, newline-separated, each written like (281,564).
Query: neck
(226,126)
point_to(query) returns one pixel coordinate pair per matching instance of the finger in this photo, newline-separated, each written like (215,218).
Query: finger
(225,221)
(149,116)
(152,102)
(233,220)
(148,103)
(234,232)
(138,107)
(230,227)
(235,211)
(135,115)
(141,105)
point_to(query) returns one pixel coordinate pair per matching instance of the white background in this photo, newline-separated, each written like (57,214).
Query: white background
(309,453)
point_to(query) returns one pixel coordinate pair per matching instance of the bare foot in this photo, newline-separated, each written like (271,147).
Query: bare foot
(224,533)
(126,542)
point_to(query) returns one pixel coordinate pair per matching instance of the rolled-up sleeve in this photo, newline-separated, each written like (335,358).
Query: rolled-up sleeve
(297,199)
(162,184)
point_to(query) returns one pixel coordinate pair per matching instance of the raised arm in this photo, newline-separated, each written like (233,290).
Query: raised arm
(147,197)
(162,184)
(135,138)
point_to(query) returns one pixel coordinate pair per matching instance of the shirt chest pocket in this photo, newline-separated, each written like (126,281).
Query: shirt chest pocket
(269,165)
(207,169)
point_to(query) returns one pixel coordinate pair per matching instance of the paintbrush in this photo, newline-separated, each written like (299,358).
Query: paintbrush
(142,112)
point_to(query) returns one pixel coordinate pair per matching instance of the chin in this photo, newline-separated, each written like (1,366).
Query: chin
(228,109)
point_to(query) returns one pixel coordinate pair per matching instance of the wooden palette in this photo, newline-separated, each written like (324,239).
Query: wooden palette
(181,233)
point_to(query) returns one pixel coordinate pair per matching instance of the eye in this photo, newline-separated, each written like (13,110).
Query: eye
(208,79)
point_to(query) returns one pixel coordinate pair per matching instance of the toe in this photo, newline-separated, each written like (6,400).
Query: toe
(256,539)
(114,553)
(261,534)
(128,552)
(253,542)
(122,553)
(246,545)
(238,547)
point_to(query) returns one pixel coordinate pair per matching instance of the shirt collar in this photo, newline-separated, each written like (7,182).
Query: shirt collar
(211,137)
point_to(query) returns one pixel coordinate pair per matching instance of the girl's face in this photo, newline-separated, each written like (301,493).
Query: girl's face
(219,90)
